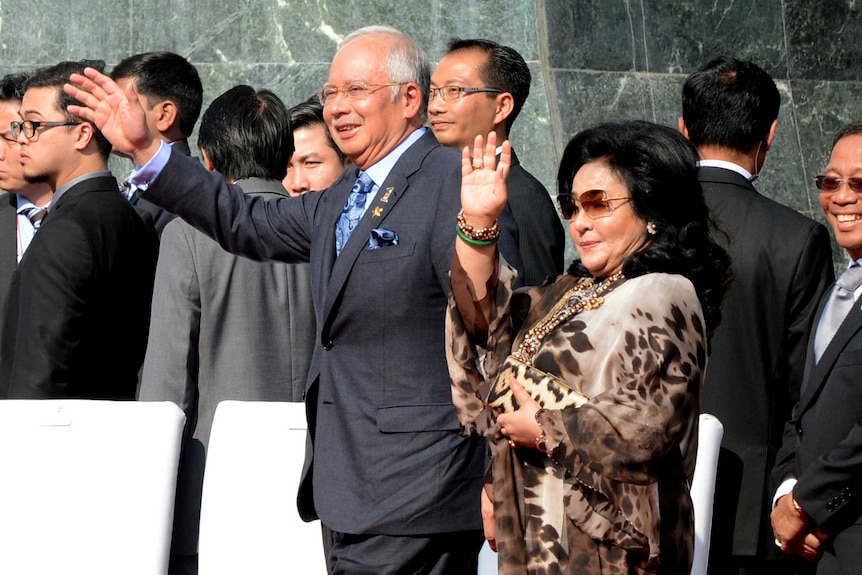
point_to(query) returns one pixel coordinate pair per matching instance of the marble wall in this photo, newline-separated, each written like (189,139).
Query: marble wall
(592,60)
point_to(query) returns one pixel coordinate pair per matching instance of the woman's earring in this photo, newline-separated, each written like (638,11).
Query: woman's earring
(650,228)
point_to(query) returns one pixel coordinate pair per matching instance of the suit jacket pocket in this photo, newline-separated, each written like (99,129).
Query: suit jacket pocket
(402,250)
(416,418)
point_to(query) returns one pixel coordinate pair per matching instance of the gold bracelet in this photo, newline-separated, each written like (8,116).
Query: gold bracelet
(481,234)
(796,505)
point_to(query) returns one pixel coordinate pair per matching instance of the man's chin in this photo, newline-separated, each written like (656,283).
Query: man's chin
(36,178)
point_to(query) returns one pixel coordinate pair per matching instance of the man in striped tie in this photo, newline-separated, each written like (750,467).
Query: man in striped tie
(77,312)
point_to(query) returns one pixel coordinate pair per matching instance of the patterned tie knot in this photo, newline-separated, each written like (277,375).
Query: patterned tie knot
(35,216)
(363,184)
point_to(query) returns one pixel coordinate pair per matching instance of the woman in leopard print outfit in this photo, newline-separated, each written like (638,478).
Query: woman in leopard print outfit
(602,488)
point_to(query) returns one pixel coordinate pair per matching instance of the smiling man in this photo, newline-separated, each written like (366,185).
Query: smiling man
(387,471)
(818,509)
(75,322)
(480,87)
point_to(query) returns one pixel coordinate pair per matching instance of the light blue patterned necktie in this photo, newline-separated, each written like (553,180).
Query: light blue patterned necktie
(353,210)
(840,303)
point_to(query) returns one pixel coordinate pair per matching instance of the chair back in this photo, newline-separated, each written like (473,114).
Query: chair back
(249,520)
(87,486)
(710,432)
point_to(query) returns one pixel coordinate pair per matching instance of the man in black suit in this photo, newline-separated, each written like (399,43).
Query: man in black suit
(387,472)
(75,322)
(818,509)
(170,91)
(781,263)
(22,210)
(480,87)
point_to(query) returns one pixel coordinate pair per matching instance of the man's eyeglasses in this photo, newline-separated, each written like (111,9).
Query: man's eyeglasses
(354,91)
(29,127)
(451,93)
(595,204)
(829,184)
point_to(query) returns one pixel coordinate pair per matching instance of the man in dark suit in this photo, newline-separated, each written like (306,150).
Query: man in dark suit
(223,326)
(818,509)
(170,91)
(387,472)
(480,87)
(21,211)
(781,263)
(75,322)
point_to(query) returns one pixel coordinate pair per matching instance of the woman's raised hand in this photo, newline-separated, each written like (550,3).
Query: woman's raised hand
(483,180)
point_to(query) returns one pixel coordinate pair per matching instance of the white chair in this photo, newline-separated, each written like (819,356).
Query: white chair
(87,487)
(249,521)
(487,561)
(710,432)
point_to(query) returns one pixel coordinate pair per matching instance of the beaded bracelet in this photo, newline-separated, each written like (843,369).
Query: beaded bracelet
(481,234)
(476,243)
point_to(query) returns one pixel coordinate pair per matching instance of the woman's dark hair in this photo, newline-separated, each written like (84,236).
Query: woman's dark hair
(658,166)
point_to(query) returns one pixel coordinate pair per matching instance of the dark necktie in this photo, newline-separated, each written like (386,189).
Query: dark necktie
(837,307)
(35,216)
(353,210)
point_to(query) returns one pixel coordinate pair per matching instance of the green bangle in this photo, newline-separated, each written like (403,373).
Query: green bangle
(476,243)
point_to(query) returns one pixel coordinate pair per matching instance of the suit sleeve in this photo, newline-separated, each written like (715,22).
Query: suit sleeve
(825,489)
(252,226)
(172,359)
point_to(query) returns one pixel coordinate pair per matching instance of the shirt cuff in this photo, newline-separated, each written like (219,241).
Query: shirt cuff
(786,487)
(143,176)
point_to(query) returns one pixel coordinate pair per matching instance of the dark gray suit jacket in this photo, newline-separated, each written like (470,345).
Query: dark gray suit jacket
(384,454)
(222,327)
(782,263)
(542,240)
(75,321)
(823,445)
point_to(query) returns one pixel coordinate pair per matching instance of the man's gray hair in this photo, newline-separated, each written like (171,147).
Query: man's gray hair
(405,62)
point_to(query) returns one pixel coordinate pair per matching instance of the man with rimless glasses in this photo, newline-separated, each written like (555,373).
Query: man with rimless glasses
(818,504)
(480,87)
(76,317)
(781,263)
(393,482)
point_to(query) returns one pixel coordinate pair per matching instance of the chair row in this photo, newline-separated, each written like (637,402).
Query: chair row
(88,487)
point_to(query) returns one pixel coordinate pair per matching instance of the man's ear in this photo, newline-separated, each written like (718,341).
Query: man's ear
(680,124)
(166,114)
(207,162)
(770,137)
(505,103)
(86,134)
(412,100)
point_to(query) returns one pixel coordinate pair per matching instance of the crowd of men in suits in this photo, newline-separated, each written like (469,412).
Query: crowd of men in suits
(352,322)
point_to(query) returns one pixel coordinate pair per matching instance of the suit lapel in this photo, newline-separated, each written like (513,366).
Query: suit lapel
(390,192)
(817,372)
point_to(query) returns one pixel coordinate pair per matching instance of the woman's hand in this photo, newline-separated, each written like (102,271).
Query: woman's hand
(520,426)
(488,520)
(483,181)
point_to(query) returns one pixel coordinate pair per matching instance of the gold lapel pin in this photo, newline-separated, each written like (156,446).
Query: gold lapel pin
(376,212)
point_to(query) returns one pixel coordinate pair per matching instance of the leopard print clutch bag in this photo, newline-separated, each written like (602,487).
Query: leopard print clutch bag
(548,390)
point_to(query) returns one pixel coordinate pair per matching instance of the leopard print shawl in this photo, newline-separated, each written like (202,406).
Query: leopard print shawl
(612,494)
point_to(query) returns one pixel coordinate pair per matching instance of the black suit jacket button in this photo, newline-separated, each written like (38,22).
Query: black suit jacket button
(327,345)
(799,429)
